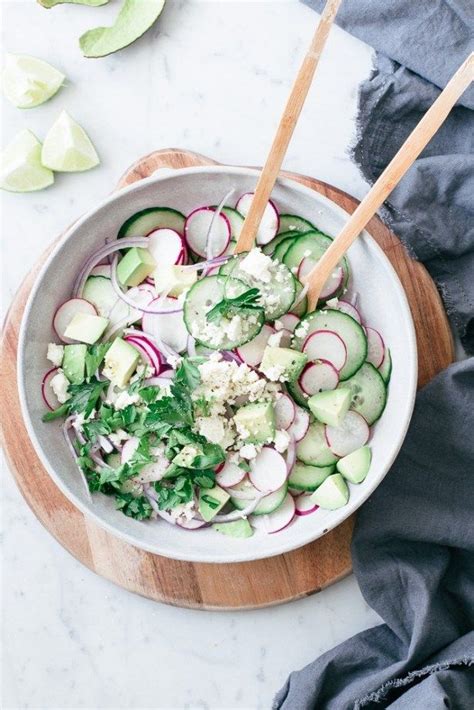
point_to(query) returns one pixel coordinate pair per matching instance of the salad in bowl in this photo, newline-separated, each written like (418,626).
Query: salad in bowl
(194,388)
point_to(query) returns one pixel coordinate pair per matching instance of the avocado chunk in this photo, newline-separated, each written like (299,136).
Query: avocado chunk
(74,362)
(135,266)
(237,528)
(86,328)
(330,407)
(355,466)
(211,501)
(282,364)
(332,493)
(173,279)
(255,422)
(121,361)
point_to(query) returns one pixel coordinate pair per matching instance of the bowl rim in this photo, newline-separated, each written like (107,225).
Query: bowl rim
(256,553)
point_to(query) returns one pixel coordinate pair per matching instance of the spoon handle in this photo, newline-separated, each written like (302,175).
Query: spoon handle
(389,179)
(286,127)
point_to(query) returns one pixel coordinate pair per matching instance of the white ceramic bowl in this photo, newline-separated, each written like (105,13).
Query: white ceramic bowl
(383,304)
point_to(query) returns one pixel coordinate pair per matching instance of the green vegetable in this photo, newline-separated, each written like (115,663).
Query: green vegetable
(249,300)
(133,20)
(95,355)
(83,400)
(51,3)
(135,507)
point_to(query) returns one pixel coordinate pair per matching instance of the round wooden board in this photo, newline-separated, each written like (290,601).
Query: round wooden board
(204,586)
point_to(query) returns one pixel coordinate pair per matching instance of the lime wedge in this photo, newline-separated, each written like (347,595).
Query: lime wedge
(51,3)
(28,81)
(22,170)
(67,147)
(134,19)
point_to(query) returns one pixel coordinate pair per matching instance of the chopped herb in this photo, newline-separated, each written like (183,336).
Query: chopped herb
(228,307)
(94,357)
(135,507)
(245,466)
(83,400)
(211,502)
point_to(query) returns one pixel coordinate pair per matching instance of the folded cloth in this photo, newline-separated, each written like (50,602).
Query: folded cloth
(413,556)
(413,544)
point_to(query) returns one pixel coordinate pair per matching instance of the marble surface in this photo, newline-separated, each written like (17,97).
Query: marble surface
(212,77)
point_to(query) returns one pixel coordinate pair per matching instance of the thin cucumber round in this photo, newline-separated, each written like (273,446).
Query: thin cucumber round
(282,248)
(294,223)
(220,335)
(295,391)
(369,392)
(280,237)
(385,368)
(277,296)
(348,330)
(267,505)
(302,306)
(311,245)
(236,221)
(142,223)
(99,291)
(308,478)
(313,449)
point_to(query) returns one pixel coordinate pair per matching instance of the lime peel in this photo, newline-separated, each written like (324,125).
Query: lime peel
(67,147)
(22,170)
(28,81)
(51,3)
(134,19)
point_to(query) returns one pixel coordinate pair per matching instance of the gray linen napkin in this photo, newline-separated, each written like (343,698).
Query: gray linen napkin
(413,545)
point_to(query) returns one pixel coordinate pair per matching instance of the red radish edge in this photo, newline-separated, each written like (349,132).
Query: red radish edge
(331,375)
(285,412)
(268,471)
(360,441)
(86,308)
(220,216)
(229,474)
(339,356)
(45,384)
(272,232)
(303,505)
(301,424)
(375,347)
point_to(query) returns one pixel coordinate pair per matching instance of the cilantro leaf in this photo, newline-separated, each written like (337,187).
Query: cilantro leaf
(228,307)
(134,507)
(94,356)
(83,400)
(187,374)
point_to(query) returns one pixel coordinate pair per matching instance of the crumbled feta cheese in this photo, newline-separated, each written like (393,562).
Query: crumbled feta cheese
(216,429)
(248,451)
(59,385)
(275,373)
(302,329)
(275,339)
(282,439)
(258,265)
(185,511)
(124,399)
(332,303)
(55,354)
(116,437)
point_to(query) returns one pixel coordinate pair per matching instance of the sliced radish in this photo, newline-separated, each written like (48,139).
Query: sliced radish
(183,257)
(193,524)
(285,412)
(49,397)
(196,232)
(168,327)
(300,425)
(279,519)
(244,490)
(149,355)
(102,270)
(129,448)
(333,283)
(66,313)
(326,345)
(318,376)
(353,433)
(348,308)
(288,322)
(252,352)
(269,223)
(375,347)
(304,505)
(229,475)
(166,246)
(268,470)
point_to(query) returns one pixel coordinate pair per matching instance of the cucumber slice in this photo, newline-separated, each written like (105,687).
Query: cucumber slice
(294,223)
(236,221)
(313,449)
(369,392)
(277,296)
(346,327)
(385,368)
(312,245)
(301,307)
(355,466)
(333,493)
(282,248)
(267,505)
(308,478)
(280,237)
(99,291)
(203,296)
(297,394)
(142,223)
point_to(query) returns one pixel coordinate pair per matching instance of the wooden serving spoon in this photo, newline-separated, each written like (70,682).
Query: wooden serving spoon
(391,176)
(286,128)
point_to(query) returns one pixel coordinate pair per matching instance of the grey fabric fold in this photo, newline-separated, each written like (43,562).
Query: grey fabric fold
(413,545)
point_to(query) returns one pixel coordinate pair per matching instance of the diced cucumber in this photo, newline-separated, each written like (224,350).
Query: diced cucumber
(313,449)
(278,295)
(267,505)
(355,466)
(146,221)
(237,528)
(369,392)
(203,296)
(348,330)
(333,493)
(385,368)
(294,223)
(308,478)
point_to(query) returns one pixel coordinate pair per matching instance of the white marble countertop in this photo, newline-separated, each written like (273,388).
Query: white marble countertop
(212,77)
